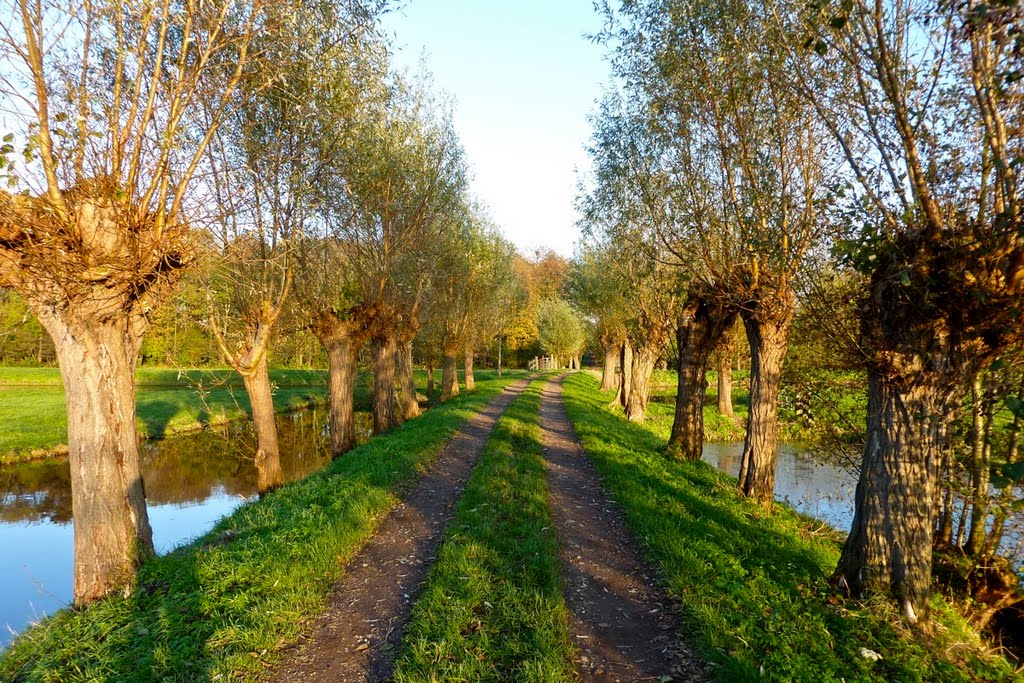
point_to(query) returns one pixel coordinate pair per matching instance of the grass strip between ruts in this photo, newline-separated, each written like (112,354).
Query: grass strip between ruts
(753,582)
(492,609)
(220,607)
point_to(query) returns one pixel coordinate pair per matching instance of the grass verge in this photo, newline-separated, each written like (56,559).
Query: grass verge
(753,582)
(222,606)
(492,609)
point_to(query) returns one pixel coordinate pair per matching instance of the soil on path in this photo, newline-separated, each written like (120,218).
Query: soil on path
(624,626)
(370,605)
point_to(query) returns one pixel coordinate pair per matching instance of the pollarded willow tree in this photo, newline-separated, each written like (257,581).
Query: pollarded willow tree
(268,159)
(115,104)
(743,158)
(594,291)
(468,290)
(923,100)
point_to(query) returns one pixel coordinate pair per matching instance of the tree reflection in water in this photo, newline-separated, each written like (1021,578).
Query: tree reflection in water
(181,470)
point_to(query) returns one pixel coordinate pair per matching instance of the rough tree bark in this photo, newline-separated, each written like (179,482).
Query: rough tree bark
(342,340)
(261,398)
(112,532)
(385,402)
(767,325)
(982,406)
(644,358)
(698,333)
(469,379)
(410,404)
(449,374)
(611,356)
(889,549)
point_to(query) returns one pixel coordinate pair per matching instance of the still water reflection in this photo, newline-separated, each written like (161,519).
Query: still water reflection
(826,491)
(191,482)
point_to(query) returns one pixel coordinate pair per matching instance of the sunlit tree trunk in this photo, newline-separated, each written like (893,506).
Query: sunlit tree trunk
(981,455)
(385,403)
(723,357)
(889,549)
(697,335)
(261,399)
(430,375)
(611,356)
(768,335)
(341,339)
(410,404)
(469,379)
(112,532)
(449,374)
(639,395)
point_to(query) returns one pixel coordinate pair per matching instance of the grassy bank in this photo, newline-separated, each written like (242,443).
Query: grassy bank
(33,418)
(753,583)
(493,608)
(220,607)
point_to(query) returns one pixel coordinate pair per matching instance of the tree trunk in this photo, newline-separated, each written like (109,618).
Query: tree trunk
(341,362)
(697,335)
(410,405)
(724,358)
(625,374)
(611,353)
(385,403)
(430,375)
(768,344)
(261,399)
(640,383)
(112,532)
(449,375)
(981,466)
(889,549)
(468,364)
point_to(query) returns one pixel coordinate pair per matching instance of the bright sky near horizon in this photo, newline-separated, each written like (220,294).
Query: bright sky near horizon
(524,78)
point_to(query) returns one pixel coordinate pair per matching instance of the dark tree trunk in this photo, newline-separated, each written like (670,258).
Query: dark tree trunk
(261,399)
(641,368)
(889,549)
(625,374)
(385,403)
(112,532)
(410,404)
(768,340)
(469,379)
(611,354)
(430,375)
(696,336)
(341,383)
(449,375)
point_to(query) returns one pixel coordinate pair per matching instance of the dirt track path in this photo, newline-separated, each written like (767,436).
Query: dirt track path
(370,605)
(622,623)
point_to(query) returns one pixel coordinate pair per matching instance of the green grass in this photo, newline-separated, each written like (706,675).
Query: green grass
(33,418)
(492,609)
(221,607)
(717,427)
(753,582)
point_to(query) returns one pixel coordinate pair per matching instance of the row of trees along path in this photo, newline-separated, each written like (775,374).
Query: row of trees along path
(267,149)
(752,151)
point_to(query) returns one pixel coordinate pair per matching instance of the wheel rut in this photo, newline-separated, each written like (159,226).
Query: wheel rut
(623,624)
(369,607)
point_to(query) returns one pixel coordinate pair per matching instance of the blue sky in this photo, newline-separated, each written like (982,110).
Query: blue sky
(524,78)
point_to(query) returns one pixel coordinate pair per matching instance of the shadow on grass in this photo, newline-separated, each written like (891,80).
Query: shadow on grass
(752,581)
